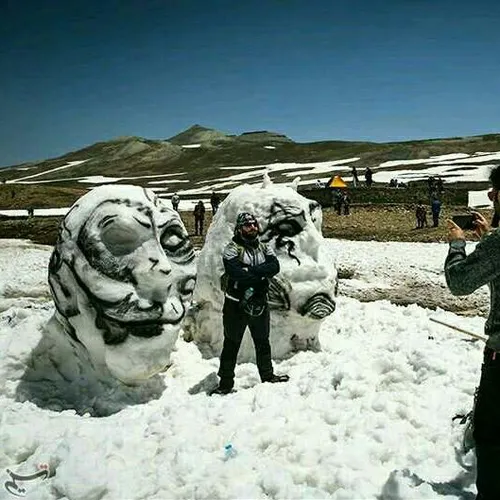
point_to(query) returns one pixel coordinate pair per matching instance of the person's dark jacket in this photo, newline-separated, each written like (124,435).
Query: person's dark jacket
(436,206)
(249,265)
(466,273)
(214,200)
(199,211)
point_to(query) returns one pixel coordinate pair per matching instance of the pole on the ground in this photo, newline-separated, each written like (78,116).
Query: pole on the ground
(475,335)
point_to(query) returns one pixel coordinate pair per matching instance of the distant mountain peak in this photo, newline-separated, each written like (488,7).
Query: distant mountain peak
(197,134)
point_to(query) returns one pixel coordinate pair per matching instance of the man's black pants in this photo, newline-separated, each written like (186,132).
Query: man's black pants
(235,321)
(198,226)
(487,429)
(435,219)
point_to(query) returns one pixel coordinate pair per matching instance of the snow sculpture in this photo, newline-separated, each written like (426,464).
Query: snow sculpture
(122,274)
(300,296)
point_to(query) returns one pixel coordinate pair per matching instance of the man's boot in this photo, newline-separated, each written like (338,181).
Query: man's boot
(274,379)
(223,388)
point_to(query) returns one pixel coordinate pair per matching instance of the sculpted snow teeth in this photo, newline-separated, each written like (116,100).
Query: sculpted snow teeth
(318,306)
(278,294)
(122,274)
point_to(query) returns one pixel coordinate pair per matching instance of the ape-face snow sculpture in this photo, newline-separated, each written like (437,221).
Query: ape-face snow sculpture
(122,274)
(300,296)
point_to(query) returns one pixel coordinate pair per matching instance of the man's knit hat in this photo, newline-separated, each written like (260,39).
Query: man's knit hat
(245,218)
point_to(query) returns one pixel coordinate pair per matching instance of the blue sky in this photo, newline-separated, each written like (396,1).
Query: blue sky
(74,73)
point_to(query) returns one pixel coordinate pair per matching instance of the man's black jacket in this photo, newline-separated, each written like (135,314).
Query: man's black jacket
(249,265)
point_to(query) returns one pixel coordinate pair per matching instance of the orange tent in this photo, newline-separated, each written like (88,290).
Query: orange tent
(336,182)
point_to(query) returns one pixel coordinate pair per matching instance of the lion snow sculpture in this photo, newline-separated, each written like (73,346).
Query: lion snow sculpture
(122,275)
(300,296)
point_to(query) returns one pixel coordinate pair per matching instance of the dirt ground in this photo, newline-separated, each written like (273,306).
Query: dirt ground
(388,223)
(374,222)
(366,222)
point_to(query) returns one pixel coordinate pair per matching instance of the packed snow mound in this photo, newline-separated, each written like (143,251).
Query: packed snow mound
(300,296)
(122,275)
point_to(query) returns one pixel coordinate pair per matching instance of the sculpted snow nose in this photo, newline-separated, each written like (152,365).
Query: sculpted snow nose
(153,276)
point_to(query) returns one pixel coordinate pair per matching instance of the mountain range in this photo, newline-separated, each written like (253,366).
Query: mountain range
(201,156)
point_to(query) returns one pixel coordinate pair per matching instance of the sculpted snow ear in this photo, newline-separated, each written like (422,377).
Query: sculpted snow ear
(295,183)
(266,180)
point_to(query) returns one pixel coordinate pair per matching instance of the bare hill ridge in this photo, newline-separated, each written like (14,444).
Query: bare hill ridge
(194,157)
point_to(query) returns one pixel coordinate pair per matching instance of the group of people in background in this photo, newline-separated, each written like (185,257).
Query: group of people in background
(435,189)
(368,177)
(421,213)
(341,201)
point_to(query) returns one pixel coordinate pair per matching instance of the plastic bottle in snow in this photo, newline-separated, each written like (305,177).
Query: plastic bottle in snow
(229,451)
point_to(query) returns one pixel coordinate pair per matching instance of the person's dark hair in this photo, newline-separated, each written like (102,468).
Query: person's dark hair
(495,177)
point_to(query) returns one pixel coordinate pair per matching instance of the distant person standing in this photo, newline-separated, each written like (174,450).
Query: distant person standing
(215,202)
(337,201)
(435,209)
(199,218)
(431,186)
(368,176)
(421,215)
(346,203)
(175,201)
(355,179)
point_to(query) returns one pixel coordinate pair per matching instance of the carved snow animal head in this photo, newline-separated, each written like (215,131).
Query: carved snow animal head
(300,296)
(121,275)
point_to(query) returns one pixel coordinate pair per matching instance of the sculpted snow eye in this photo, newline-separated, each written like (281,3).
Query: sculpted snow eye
(122,239)
(286,220)
(289,227)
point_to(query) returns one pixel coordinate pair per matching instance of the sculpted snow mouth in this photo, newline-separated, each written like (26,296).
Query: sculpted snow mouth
(116,332)
(120,322)
(318,306)
(125,318)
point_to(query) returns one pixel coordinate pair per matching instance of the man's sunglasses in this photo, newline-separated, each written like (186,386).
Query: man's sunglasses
(250,224)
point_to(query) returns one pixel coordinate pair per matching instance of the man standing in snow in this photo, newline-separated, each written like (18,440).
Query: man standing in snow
(465,274)
(248,264)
